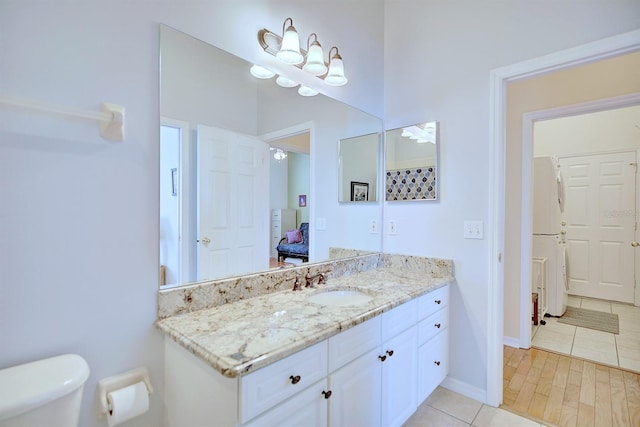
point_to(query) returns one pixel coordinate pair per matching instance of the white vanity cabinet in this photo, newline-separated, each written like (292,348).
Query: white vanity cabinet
(399,363)
(433,340)
(371,374)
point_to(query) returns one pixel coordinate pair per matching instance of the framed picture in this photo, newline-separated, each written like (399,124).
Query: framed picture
(302,200)
(174,181)
(359,191)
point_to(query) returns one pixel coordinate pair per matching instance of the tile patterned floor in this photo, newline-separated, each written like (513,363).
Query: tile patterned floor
(620,350)
(445,408)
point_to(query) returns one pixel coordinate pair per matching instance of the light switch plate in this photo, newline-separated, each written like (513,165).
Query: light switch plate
(392,227)
(321,223)
(473,230)
(373,227)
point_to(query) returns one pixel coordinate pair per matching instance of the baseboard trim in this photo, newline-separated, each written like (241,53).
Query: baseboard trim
(465,389)
(511,342)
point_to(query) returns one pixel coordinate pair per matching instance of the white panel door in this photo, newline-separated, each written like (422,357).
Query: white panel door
(600,224)
(233,203)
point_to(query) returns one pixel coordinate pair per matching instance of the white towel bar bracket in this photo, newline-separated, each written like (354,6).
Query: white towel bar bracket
(110,116)
(112,129)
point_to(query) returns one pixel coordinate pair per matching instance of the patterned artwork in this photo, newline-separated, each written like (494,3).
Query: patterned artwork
(411,184)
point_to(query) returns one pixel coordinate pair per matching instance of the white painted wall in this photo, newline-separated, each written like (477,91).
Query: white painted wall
(610,130)
(79,216)
(298,178)
(438,56)
(169,206)
(278,182)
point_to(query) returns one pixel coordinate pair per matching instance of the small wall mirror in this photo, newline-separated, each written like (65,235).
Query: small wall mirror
(358,171)
(412,162)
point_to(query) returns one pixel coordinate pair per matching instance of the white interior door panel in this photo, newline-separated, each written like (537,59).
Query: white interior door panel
(600,224)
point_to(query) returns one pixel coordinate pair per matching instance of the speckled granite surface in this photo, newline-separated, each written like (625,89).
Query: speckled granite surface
(215,293)
(243,336)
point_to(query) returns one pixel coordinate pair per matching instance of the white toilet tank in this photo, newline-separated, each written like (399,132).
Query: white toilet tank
(47,392)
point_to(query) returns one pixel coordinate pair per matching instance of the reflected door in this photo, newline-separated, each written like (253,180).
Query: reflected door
(600,218)
(233,203)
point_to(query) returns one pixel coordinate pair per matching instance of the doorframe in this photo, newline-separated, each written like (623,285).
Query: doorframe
(498,79)
(526,240)
(184,252)
(292,131)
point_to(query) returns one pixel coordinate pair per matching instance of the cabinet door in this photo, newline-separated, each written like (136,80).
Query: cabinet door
(355,393)
(399,372)
(307,408)
(433,364)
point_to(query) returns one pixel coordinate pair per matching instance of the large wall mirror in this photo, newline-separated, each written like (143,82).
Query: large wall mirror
(412,162)
(358,166)
(242,162)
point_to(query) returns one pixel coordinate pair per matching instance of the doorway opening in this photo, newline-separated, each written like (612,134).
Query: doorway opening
(596,147)
(291,201)
(499,78)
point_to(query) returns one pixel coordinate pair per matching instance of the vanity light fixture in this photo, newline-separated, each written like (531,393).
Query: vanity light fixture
(287,49)
(286,82)
(335,76)
(307,91)
(289,52)
(260,72)
(279,154)
(315,58)
(421,133)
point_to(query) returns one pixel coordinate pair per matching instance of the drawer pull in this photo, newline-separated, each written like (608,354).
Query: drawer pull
(382,358)
(390,352)
(438,301)
(437,325)
(437,362)
(327,394)
(295,380)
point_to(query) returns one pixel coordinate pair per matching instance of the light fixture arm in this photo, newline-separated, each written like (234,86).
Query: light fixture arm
(284,25)
(337,55)
(309,40)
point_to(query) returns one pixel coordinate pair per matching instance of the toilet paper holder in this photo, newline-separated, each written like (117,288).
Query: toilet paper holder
(107,385)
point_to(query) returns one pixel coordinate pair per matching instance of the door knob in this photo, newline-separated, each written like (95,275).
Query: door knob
(205,240)
(635,244)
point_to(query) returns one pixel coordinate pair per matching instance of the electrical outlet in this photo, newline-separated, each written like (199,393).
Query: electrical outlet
(392,227)
(473,230)
(373,227)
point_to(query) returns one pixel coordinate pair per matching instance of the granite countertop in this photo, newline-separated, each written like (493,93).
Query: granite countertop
(246,335)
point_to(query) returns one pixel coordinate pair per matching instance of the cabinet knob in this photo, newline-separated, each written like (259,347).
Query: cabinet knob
(390,353)
(327,394)
(295,380)
(438,301)
(382,358)
(437,362)
(437,325)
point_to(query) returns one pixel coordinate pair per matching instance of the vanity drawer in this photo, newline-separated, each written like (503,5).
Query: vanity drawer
(433,364)
(348,345)
(266,387)
(399,319)
(432,302)
(432,325)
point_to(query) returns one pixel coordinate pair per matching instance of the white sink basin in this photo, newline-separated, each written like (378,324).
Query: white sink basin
(340,297)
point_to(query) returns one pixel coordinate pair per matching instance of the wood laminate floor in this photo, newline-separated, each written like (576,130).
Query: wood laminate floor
(561,390)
